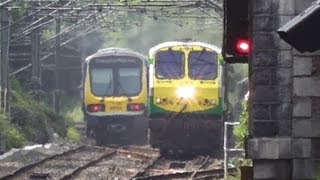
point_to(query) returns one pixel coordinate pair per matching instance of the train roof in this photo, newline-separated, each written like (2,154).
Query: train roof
(180,43)
(114,51)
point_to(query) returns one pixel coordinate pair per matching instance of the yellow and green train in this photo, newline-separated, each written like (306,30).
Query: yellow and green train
(114,94)
(185,99)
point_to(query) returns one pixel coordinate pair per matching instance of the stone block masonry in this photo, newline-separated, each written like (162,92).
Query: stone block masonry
(284,97)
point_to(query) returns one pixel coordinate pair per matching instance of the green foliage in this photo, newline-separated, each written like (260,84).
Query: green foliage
(48,33)
(58,122)
(73,134)
(241,132)
(75,114)
(239,163)
(33,118)
(13,137)
(18,94)
(317,171)
(236,177)
(71,108)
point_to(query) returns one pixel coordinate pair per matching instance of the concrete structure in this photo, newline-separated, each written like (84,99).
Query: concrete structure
(285,97)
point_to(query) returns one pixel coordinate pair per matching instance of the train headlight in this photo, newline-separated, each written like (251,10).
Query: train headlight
(158,100)
(161,100)
(185,92)
(213,102)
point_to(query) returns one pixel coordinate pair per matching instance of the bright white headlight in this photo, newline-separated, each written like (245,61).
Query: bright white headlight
(185,92)
(158,100)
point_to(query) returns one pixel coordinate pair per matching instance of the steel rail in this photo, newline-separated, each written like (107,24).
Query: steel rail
(143,172)
(91,163)
(30,166)
(202,166)
(212,173)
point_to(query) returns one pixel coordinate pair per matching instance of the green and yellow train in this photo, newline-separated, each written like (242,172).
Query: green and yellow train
(185,99)
(114,94)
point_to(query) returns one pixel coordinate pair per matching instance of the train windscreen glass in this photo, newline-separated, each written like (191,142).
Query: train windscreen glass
(169,64)
(202,65)
(116,76)
(129,80)
(102,81)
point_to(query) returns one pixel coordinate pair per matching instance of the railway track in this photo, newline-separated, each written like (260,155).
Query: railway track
(131,162)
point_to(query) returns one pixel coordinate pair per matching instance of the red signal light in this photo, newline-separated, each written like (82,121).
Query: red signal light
(243,46)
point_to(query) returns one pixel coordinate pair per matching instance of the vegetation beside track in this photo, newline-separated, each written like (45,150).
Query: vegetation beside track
(30,120)
(241,132)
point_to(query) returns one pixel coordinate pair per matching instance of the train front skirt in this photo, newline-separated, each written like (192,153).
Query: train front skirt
(187,133)
(118,130)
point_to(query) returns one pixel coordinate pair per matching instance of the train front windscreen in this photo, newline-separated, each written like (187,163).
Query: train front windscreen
(115,76)
(202,65)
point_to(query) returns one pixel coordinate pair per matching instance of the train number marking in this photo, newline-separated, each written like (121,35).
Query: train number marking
(115,108)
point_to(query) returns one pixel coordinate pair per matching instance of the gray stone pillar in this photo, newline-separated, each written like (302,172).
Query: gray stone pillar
(284,97)
(271,91)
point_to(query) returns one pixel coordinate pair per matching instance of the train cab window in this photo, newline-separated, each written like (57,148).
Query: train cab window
(129,80)
(102,81)
(202,65)
(169,64)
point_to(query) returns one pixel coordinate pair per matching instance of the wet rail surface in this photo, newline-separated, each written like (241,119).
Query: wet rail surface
(131,162)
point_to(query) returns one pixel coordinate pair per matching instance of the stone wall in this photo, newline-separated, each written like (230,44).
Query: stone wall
(285,97)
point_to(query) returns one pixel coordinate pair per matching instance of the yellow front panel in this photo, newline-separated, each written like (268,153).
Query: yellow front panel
(199,102)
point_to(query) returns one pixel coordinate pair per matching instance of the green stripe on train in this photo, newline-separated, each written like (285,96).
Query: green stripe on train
(154,109)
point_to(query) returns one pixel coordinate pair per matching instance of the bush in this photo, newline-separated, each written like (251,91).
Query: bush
(75,114)
(32,122)
(34,118)
(13,138)
(241,132)
(73,135)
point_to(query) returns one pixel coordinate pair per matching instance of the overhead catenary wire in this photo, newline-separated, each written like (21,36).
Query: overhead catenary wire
(26,16)
(70,28)
(145,5)
(36,24)
(5,3)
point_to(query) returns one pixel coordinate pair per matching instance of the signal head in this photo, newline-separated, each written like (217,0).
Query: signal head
(242,46)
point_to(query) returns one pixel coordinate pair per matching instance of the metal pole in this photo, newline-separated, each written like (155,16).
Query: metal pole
(36,71)
(225,157)
(1,58)
(57,69)
(4,59)
(225,147)
(2,143)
